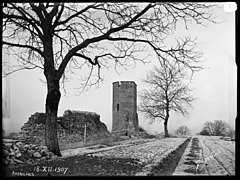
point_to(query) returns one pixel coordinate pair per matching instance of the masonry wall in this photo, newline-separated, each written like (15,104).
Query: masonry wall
(124,107)
(70,128)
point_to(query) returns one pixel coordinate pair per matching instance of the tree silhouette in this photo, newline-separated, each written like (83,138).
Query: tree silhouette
(60,38)
(183,130)
(215,128)
(166,93)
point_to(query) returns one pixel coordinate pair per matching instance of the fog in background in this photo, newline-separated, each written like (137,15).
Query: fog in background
(214,87)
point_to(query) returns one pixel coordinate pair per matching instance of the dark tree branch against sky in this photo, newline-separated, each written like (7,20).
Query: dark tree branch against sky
(61,37)
(166,91)
(80,28)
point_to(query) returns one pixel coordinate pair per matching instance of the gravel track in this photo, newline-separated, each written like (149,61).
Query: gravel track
(207,156)
(223,163)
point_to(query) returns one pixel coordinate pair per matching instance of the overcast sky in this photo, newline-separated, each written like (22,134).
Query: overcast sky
(215,87)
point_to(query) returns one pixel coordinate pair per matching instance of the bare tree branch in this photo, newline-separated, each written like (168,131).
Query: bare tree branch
(77,28)
(215,128)
(24,46)
(166,93)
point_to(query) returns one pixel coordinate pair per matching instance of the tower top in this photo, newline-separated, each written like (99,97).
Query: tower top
(124,82)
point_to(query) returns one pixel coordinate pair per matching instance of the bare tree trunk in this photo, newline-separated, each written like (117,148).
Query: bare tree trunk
(53,93)
(166,121)
(165,128)
(52,101)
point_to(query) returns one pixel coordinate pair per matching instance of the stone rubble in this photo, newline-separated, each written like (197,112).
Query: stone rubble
(16,152)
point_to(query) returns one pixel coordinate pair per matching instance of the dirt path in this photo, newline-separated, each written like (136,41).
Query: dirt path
(187,164)
(207,156)
(169,164)
(219,156)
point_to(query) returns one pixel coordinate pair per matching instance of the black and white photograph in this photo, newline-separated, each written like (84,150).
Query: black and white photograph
(118,89)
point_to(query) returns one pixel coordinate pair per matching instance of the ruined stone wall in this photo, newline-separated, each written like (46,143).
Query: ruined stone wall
(124,107)
(70,127)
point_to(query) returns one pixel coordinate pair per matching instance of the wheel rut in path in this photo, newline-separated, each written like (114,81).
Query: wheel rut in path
(222,165)
(169,164)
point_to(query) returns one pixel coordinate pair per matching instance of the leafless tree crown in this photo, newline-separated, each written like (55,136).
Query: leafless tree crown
(166,91)
(216,128)
(182,130)
(98,34)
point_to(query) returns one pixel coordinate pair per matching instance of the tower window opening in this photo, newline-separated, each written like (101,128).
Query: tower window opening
(117,106)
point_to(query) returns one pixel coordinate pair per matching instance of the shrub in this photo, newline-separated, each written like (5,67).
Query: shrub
(204,132)
(149,136)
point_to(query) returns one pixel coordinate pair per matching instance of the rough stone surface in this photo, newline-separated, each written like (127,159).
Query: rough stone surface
(37,154)
(13,154)
(70,127)
(18,154)
(18,161)
(124,108)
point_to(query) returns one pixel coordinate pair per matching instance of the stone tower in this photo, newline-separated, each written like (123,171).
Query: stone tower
(124,112)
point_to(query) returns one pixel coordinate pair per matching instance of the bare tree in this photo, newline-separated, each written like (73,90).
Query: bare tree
(215,128)
(166,93)
(182,131)
(220,127)
(209,127)
(63,37)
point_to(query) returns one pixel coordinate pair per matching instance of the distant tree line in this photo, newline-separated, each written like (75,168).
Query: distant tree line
(216,128)
(182,131)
